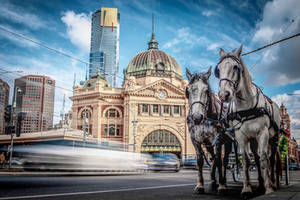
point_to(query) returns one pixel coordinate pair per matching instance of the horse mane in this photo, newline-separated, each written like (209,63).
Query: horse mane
(246,73)
(198,76)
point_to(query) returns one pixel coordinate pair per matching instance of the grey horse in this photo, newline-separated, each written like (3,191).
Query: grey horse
(253,116)
(204,128)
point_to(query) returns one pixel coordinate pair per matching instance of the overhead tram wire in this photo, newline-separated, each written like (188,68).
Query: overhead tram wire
(271,44)
(52,49)
(19,74)
(287,27)
(43,45)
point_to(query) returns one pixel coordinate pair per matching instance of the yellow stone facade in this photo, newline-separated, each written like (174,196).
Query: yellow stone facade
(151,102)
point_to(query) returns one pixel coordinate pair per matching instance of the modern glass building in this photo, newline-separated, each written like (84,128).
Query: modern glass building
(104,53)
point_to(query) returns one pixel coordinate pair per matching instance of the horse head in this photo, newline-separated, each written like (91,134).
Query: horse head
(230,70)
(198,93)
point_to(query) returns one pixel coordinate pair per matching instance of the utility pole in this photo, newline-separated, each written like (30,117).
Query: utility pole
(74,81)
(287,178)
(63,113)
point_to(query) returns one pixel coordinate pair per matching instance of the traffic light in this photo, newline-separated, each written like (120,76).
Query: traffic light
(21,117)
(10,129)
(7,114)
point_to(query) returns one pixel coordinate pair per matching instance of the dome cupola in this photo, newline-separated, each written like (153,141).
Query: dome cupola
(153,62)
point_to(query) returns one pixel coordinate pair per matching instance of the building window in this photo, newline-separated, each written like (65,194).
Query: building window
(176,109)
(112,113)
(105,130)
(112,130)
(166,109)
(118,130)
(155,108)
(144,108)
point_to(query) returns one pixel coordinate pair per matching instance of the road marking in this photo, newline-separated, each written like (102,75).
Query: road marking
(96,192)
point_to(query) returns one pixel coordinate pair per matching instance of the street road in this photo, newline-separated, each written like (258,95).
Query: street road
(162,185)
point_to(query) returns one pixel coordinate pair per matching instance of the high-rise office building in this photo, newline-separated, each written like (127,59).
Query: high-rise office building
(4,97)
(104,53)
(35,96)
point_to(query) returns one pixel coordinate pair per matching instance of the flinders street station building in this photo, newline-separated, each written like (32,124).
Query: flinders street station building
(148,113)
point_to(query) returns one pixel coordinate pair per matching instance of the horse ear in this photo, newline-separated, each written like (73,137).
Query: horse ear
(188,74)
(239,51)
(222,52)
(208,73)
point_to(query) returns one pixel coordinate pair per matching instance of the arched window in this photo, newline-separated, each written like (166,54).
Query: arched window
(112,113)
(160,67)
(83,113)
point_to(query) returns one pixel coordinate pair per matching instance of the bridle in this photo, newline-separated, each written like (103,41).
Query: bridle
(201,103)
(235,83)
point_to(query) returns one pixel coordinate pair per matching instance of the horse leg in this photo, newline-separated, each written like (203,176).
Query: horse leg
(246,163)
(273,148)
(199,189)
(218,160)
(228,149)
(263,140)
(273,143)
(212,184)
(254,146)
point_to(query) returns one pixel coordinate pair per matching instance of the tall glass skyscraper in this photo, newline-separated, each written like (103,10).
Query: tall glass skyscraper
(104,54)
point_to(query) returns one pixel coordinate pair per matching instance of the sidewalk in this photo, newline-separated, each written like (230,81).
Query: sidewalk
(291,192)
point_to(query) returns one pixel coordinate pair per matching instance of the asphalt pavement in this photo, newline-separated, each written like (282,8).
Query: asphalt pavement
(161,185)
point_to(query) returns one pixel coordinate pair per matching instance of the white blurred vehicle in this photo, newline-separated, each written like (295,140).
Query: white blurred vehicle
(68,158)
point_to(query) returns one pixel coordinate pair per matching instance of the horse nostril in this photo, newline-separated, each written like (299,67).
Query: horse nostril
(197,119)
(227,94)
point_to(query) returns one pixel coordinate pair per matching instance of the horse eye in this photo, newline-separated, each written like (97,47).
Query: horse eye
(235,67)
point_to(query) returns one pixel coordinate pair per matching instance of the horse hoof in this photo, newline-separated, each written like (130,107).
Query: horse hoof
(199,190)
(221,191)
(246,195)
(260,189)
(213,186)
(269,190)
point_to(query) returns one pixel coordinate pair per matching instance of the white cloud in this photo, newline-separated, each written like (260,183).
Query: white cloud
(21,16)
(184,39)
(208,13)
(213,47)
(292,103)
(78,29)
(280,19)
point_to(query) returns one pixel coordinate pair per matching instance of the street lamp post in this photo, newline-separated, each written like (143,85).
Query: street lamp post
(85,125)
(17,90)
(134,123)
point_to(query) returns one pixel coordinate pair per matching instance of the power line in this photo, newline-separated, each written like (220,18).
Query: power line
(43,45)
(287,27)
(52,49)
(271,44)
(19,75)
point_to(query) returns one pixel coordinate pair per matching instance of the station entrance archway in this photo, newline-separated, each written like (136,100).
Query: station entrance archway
(161,141)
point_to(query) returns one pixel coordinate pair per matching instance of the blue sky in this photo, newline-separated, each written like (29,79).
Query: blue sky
(190,31)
